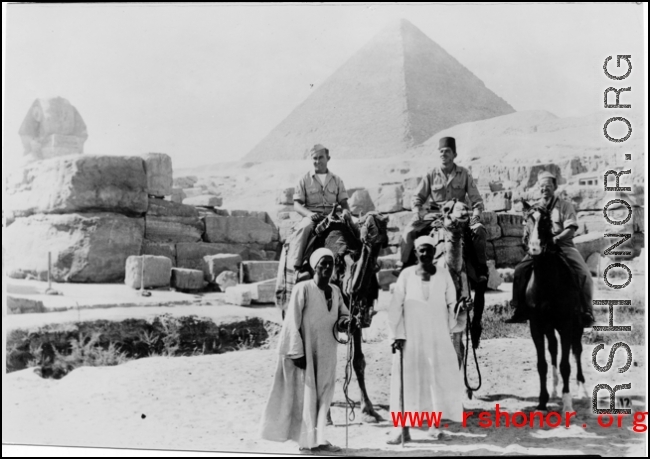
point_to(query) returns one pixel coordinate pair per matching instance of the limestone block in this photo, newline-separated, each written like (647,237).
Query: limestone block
(227,279)
(259,214)
(238,295)
(390,250)
(387,198)
(164,249)
(190,254)
(192,192)
(162,208)
(178,195)
(360,202)
(204,200)
(385,277)
(388,261)
(157,271)
(489,218)
(493,232)
(593,242)
(525,175)
(511,224)
(286,229)
(187,280)
(52,127)
(185,182)
(594,198)
(79,184)
(494,278)
(257,271)
(400,220)
(411,183)
(256,254)
(394,236)
(239,230)
(89,247)
(173,229)
(261,292)
(214,265)
(285,222)
(158,167)
(506,251)
(407,198)
(497,201)
(285,196)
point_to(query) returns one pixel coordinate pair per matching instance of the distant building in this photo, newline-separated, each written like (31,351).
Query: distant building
(593,180)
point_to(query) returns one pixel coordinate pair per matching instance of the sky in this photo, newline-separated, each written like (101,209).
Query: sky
(205,83)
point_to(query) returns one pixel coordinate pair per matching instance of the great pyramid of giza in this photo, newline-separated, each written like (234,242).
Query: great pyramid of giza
(393,94)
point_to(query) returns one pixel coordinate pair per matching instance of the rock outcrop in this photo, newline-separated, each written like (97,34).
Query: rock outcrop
(79,184)
(157,271)
(158,167)
(89,247)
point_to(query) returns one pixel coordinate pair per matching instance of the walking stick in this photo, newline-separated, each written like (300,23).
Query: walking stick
(401,390)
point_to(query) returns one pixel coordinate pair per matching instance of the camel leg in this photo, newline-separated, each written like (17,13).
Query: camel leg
(369,414)
(542,367)
(552,349)
(565,370)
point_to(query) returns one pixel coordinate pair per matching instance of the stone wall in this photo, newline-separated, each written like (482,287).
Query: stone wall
(94,212)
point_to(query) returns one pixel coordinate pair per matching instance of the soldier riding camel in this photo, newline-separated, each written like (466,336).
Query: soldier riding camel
(314,197)
(443,183)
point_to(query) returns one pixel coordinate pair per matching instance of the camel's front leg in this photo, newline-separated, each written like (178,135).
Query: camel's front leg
(368,412)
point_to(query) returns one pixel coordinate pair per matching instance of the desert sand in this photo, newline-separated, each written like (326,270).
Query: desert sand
(213,403)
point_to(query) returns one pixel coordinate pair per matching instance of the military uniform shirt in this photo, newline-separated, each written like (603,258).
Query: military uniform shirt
(440,188)
(563,216)
(317,196)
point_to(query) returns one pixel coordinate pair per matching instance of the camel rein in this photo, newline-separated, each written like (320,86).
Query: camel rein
(467,346)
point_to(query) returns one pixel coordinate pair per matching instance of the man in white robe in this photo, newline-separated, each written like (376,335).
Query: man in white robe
(421,316)
(305,376)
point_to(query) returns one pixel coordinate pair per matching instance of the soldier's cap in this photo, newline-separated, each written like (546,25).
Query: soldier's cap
(546,175)
(447,142)
(316,148)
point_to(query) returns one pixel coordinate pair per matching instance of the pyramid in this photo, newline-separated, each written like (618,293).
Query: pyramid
(393,94)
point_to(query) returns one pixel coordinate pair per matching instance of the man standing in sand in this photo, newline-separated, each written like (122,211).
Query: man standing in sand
(315,195)
(305,376)
(421,315)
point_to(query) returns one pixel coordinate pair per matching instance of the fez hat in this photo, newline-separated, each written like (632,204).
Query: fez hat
(546,175)
(316,148)
(447,142)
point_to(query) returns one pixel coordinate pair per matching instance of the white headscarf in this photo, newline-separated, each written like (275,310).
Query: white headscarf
(317,255)
(425,240)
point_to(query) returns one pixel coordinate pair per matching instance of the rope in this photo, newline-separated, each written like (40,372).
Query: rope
(348,364)
(467,346)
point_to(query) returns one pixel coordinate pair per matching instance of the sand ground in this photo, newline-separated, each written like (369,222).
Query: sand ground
(214,403)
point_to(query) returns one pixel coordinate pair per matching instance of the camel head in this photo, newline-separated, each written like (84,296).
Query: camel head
(455,215)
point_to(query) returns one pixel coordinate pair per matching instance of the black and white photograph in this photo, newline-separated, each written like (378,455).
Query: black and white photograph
(326,229)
